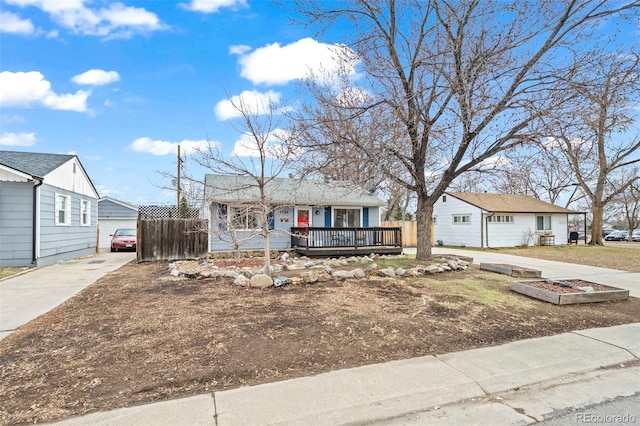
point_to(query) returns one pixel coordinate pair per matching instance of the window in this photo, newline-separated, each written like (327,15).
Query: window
(459,218)
(500,219)
(543,223)
(347,218)
(63,210)
(434,219)
(85,213)
(244,217)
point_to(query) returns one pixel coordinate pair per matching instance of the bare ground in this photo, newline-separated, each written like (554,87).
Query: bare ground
(139,335)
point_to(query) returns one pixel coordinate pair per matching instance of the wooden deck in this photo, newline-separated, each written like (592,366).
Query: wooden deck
(316,241)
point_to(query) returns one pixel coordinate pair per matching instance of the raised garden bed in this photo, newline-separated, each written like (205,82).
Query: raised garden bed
(511,270)
(567,292)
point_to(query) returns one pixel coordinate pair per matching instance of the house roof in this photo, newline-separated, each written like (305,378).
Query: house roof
(122,203)
(243,189)
(33,163)
(508,203)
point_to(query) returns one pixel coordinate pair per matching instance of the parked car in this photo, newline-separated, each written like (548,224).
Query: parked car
(123,239)
(635,235)
(617,236)
(606,232)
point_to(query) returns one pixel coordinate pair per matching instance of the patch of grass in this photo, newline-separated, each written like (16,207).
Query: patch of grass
(9,271)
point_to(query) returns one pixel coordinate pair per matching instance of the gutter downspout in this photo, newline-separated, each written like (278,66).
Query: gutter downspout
(34,232)
(486,225)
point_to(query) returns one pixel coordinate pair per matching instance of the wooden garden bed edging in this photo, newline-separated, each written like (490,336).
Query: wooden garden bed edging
(511,270)
(569,298)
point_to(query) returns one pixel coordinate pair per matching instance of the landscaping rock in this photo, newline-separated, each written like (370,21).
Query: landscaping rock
(242,281)
(175,273)
(452,264)
(261,281)
(279,281)
(309,276)
(432,269)
(231,274)
(343,275)
(359,273)
(400,272)
(308,264)
(371,269)
(284,257)
(324,277)
(445,267)
(387,272)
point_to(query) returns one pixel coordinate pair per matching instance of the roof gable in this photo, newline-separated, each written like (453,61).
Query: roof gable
(118,202)
(33,163)
(508,203)
(287,191)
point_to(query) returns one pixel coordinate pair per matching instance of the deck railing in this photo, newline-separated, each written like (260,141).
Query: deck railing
(316,237)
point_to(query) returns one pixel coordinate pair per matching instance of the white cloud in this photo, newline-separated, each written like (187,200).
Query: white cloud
(27,89)
(15,118)
(251,101)
(239,49)
(247,146)
(276,64)
(496,161)
(213,6)
(159,148)
(114,21)
(17,139)
(13,24)
(96,77)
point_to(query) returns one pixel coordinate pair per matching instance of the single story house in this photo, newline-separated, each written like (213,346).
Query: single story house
(48,209)
(114,214)
(322,213)
(498,220)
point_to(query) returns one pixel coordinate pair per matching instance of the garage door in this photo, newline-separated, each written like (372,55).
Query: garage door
(109,226)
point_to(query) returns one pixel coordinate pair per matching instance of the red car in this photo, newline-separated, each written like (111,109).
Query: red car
(123,239)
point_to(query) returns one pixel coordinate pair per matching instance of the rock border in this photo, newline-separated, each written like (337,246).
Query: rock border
(311,271)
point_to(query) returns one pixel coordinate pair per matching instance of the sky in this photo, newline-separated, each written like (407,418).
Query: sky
(122,84)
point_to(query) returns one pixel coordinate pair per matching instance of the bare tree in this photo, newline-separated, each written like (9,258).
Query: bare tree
(597,130)
(451,84)
(627,204)
(260,158)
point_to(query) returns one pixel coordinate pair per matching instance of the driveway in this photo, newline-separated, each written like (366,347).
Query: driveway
(27,296)
(552,269)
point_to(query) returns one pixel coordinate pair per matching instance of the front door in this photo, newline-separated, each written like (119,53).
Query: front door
(302,218)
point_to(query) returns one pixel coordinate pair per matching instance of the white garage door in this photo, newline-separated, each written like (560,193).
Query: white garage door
(109,226)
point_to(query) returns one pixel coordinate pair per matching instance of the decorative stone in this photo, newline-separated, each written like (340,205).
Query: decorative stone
(309,276)
(400,272)
(343,275)
(324,277)
(452,264)
(432,269)
(284,257)
(445,267)
(242,281)
(586,289)
(387,272)
(358,273)
(308,264)
(261,281)
(279,281)
(328,270)
(231,274)
(371,269)
(175,273)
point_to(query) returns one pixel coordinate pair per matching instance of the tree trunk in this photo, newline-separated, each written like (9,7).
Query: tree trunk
(424,215)
(596,225)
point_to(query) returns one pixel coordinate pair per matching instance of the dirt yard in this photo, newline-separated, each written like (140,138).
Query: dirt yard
(139,335)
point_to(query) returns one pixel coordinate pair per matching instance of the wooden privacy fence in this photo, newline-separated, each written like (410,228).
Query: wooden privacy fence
(409,232)
(172,239)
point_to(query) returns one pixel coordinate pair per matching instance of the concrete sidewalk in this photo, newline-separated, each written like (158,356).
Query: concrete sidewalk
(551,269)
(27,296)
(515,383)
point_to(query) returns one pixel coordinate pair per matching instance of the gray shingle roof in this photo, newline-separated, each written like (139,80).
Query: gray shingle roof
(288,191)
(508,203)
(33,163)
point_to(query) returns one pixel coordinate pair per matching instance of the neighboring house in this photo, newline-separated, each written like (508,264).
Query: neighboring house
(498,220)
(233,206)
(48,209)
(114,214)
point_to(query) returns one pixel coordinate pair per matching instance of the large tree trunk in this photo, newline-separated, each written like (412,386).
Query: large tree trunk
(596,224)
(424,215)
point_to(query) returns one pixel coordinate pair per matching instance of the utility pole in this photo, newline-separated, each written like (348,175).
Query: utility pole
(179,167)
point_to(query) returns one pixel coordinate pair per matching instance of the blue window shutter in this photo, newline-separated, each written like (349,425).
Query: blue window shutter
(327,216)
(270,220)
(365,217)
(222,216)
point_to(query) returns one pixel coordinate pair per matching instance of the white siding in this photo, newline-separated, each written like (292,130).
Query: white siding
(458,234)
(64,177)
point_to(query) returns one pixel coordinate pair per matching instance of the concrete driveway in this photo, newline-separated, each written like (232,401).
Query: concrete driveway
(27,296)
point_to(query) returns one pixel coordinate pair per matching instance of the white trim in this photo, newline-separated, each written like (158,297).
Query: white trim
(67,210)
(37,224)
